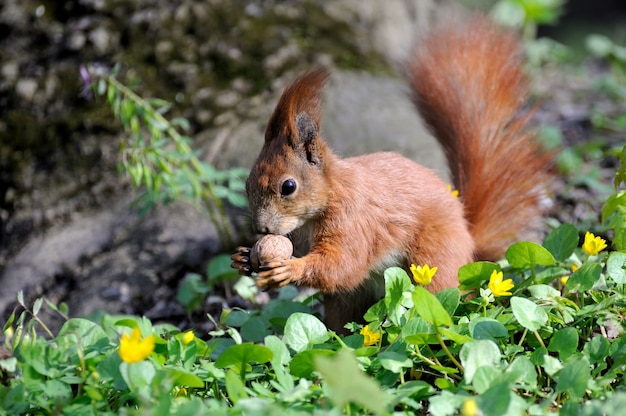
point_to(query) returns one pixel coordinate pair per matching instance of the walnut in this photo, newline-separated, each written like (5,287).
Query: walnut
(270,248)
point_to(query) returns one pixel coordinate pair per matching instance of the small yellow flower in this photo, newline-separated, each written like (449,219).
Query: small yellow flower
(369,337)
(564,279)
(469,408)
(423,275)
(134,349)
(593,245)
(187,337)
(454,192)
(499,287)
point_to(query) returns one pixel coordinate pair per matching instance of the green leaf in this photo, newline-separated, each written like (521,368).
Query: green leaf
(585,277)
(239,355)
(137,375)
(562,241)
(219,269)
(345,383)
(573,378)
(234,387)
(522,371)
(303,363)
(472,275)
(445,403)
(528,314)
(182,377)
(616,267)
(487,328)
(564,342)
(495,401)
(255,329)
(397,282)
(476,354)
(544,292)
(394,361)
(612,207)
(278,311)
(597,349)
(37,305)
(279,350)
(620,175)
(429,308)
(449,299)
(418,332)
(303,331)
(484,377)
(234,317)
(246,288)
(102,86)
(377,312)
(455,336)
(525,253)
(618,223)
(78,331)
(191,291)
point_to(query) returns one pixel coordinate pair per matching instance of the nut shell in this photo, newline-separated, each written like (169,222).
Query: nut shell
(270,248)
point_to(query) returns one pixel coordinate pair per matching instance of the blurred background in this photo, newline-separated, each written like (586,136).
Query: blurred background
(70,228)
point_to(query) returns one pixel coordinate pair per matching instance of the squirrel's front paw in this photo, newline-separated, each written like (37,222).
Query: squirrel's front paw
(241,261)
(279,273)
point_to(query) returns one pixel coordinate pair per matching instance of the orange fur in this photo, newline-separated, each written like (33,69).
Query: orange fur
(351,218)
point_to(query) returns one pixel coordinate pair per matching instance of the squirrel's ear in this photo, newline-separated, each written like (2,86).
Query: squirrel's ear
(298,112)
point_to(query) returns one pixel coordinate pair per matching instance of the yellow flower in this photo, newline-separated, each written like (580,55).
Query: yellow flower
(423,275)
(593,245)
(564,279)
(134,349)
(499,287)
(187,337)
(469,408)
(369,337)
(454,192)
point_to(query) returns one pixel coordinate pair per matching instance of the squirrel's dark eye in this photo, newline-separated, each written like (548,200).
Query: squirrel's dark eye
(288,187)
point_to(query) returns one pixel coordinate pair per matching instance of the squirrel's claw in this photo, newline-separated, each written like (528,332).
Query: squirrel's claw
(275,275)
(241,261)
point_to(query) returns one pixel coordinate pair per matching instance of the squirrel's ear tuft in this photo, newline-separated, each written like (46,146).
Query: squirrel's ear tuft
(298,112)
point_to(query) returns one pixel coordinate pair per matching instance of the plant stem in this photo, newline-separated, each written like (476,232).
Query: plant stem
(215,208)
(447,351)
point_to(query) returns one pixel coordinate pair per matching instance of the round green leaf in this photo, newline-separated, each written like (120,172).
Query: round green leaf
(239,355)
(562,241)
(528,314)
(585,277)
(597,349)
(574,377)
(522,371)
(394,361)
(449,299)
(487,328)
(525,254)
(477,354)
(303,331)
(303,363)
(472,275)
(564,342)
(616,267)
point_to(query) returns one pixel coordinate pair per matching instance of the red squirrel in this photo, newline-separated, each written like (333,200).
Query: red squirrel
(351,218)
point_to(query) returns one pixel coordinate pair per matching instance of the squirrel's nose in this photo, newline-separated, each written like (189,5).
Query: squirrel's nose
(260,228)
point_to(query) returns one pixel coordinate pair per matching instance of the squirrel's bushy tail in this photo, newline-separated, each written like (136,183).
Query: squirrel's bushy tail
(469,86)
